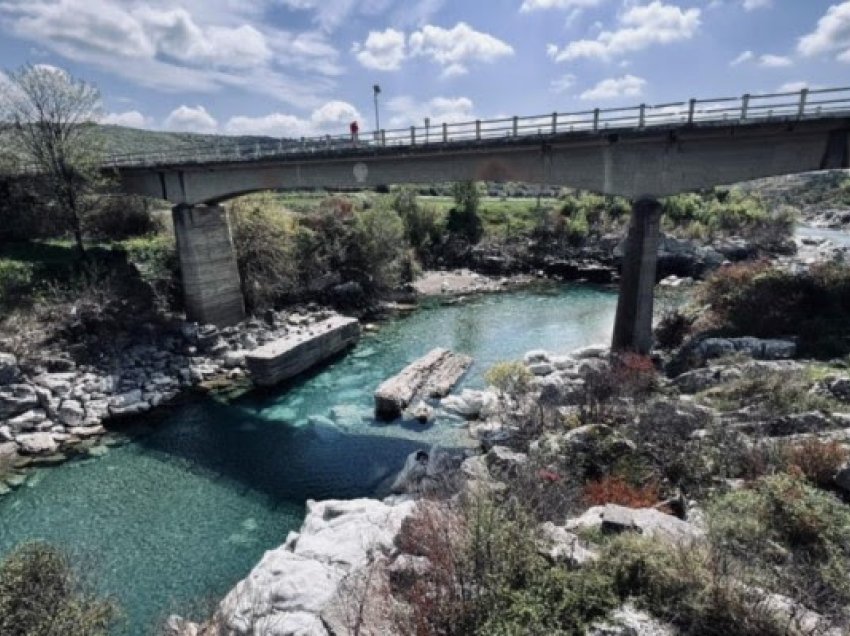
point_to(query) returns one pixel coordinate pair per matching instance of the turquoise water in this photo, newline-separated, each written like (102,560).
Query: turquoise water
(173,519)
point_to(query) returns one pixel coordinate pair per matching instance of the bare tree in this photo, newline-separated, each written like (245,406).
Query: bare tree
(51,118)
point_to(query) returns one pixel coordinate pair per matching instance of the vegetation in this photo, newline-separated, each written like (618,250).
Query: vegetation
(756,299)
(40,595)
(51,116)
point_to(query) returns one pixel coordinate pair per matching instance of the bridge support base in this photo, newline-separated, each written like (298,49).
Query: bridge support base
(211,286)
(633,324)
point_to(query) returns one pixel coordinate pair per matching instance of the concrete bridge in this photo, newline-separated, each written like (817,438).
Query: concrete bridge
(642,153)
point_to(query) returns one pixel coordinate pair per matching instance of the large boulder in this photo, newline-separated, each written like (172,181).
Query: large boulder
(9,371)
(299,587)
(561,546)
(647,521)
(16,399)
(37,444)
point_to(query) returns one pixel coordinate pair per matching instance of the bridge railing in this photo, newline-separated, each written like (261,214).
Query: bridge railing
(783,106)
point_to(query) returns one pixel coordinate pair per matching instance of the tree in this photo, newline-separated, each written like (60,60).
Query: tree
(463,219)
(51,119)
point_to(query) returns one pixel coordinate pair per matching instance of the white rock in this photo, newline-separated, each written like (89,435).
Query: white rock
(647,521)
(71,413)
(27,421)
(541,368)
(591,351)
(538,355)
(37,443)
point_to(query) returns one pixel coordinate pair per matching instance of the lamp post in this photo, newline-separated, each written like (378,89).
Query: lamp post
(377,90)
(427,130)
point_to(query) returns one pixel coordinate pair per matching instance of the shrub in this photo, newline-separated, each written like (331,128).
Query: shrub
(16,279)
(818,461)
(761,301)
(510,378)
(487,577)
(118,218)
(792,536)
(463,220)
(41,596)
(262,237)
(672,329)
(422,227)
(377,248)
(616,490)
(155,258)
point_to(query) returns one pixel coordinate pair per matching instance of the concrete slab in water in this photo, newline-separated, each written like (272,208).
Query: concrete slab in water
(289,356)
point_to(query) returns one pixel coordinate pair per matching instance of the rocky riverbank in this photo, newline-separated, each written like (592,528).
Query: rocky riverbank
(351,565)
(52,408)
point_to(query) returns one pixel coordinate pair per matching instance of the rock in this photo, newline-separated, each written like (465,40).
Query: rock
(128,403)
(696,353)
(84,432)
(591,351)
(5,434)
(840,388)
(702,379)
(59,384)
(541,368)
(842,478)
(27,421)
(16,399)
(504,462)
(422,412)
(37,443)
(534,357)
(415,469)
(471,404)
(432,375)
(810,422)
(629,621)
(9,371)
(293,587)
(646,521)
(561,546)
(233,359)
(71,413)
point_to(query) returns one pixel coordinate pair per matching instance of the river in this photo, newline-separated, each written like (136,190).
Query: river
(170,521)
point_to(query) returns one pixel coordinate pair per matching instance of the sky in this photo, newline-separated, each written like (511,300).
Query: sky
(291,68)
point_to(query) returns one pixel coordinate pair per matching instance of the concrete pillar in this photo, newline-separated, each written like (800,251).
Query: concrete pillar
(211,285)
(633,324)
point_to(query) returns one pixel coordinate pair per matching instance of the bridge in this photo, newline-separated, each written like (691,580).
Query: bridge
(642,152)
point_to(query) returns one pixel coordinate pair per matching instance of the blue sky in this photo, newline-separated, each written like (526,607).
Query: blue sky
(303,67)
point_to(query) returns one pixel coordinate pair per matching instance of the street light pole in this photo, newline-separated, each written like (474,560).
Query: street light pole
(377,91)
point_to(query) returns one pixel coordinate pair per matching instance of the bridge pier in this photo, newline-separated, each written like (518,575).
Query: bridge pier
(633,323)
(211,286)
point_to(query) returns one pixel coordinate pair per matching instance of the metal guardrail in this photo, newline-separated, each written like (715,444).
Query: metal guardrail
(805,104)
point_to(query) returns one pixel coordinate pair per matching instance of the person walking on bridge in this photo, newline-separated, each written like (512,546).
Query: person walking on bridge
(355,128)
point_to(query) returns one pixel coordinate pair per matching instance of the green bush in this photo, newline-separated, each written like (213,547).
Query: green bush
(463,219)
(155,258)
(41,596)
(422,224)
(262,237)
(790,537)
(118,218)
(16,280)
(758,300)
(511,378)
(377,248)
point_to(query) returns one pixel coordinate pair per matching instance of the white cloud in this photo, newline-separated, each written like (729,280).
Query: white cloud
(382,50)
(775,61)
(792,87)
(831,34)
(188,119)
(746,56)
(626,86)
(130,119)
(406,111)
(563,83)
(752,5)
(331,118)
(641,26)
(454,48)
(537,5)
(198,46)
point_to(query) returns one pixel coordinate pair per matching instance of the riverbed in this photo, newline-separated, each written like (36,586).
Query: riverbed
(170,521)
